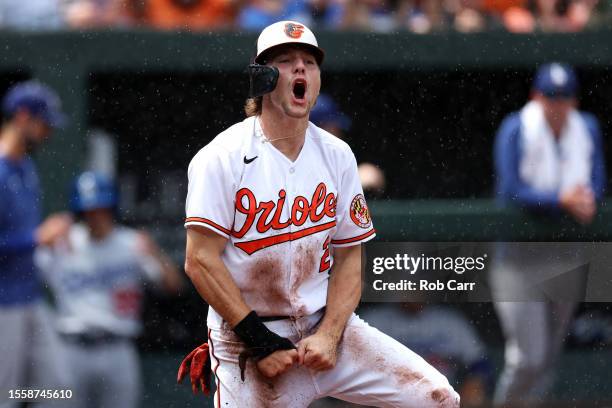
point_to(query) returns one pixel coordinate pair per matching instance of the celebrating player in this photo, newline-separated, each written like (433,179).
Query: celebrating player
(275,221)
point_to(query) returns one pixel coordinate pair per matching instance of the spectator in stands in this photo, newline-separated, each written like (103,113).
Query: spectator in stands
(327,116)
(369,15)
(547,15)
(258,14)
(89,14)
(469,20)
(422,16)
(195,15)
(517,16)
(31,14)
(326,14)
(444,338)
(465,15)
(514,15)
(564,15)
(549,161)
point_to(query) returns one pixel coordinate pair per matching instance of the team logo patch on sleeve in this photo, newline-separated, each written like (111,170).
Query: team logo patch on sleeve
(359,212)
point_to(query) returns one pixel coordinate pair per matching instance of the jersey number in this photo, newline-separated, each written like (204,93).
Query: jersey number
(127,302)
(325,263)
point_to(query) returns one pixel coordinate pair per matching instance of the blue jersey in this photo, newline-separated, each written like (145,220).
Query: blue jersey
(517,188)
(19,217)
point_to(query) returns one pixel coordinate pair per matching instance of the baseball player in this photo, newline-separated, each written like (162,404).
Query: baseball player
(275,222)
(29,356)
(549,160)
(97,276)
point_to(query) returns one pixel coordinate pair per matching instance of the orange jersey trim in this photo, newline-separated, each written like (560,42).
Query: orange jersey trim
(251,247)
(212,352)
(357,238)
(208,222)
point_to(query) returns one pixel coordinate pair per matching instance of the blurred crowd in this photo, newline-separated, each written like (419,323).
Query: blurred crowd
(418,16)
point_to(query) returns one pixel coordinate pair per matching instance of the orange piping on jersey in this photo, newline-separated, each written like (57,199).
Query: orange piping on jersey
(358,238)
(212,352)
(208,222)
(250,247)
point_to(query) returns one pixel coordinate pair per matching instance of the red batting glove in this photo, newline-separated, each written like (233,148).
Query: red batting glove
(199,369)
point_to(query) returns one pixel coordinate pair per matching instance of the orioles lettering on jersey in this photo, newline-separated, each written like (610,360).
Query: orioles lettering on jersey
(321,204)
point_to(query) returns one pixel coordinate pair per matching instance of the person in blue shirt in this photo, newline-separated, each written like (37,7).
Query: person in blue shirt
(549,155)
(548,161)
(28,343)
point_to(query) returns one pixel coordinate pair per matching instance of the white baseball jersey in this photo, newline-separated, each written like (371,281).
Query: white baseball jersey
(281,217)
(98,284)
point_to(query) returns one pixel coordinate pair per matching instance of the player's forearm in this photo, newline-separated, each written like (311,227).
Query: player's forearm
(171,279)
(215,285)
(11,243)
(343,292)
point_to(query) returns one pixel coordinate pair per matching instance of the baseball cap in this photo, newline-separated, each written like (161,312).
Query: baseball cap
(556,80)
(38,99)
(286,32)
(326,111)
(92,190)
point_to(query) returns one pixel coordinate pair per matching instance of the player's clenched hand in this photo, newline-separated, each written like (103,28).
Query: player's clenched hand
(277,362)
(318,352)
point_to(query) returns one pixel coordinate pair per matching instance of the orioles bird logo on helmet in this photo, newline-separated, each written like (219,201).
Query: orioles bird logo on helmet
(294,30)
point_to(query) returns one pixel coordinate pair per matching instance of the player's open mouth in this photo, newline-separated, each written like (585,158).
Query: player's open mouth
(299,89)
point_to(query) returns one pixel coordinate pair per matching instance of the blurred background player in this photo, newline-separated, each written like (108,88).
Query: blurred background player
(548,160)
(327,115)
(28,345)
(98,275)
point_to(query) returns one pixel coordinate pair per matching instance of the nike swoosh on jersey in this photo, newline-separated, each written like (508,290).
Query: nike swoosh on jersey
(247,161)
